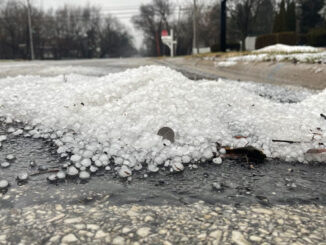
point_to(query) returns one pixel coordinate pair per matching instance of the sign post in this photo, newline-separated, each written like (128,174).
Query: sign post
(168,40)
(223,26)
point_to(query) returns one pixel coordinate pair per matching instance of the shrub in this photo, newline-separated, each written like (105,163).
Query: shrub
(288,38)
(266,40)
(317,38)
(233,46)
(215,48)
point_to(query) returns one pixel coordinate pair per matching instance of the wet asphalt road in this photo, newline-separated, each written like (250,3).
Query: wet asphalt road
(273,182)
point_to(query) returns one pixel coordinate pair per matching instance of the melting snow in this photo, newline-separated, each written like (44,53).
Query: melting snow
(287,49)
(278,53)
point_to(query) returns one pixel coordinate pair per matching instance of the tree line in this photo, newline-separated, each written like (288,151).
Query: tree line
(84,32)
(67,32)
(245,18)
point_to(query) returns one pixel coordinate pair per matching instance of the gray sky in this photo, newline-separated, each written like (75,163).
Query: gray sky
(122,9)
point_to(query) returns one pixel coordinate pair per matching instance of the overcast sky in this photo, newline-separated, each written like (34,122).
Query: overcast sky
(122,9)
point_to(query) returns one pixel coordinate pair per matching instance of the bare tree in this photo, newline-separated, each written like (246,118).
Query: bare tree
(153,18)
(68,32)
(243,16)
(322,12)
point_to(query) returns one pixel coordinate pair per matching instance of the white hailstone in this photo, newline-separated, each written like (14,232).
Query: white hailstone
(78,165)
(128,163)
(222,151)
(91,147)
(86,162)
(63,155)
(45,136)
(5,164)
(208,154)
(22,176)
(82,168)
(118,160)
(84,175)
(196,154)
(27,128)
(93,169)
(177,166)
(68,139)
(166,142)
(177,159)
(27,135)
(36,136)
(87,154)
(186,159)
(10,157)
(53,136)
(138,166)
(124,172)
(217,160)
(61,175)
(159,160)
(105,163)
(98,163)
(75,158)
(152,168)
(3,138)
(58,142)
(52,178)
(95,157)
(32,164)
(195,166)
(107,168)
(4,184)
(59,133)
(167,163)
(8,120)
(132,161)
(11,130)
(72,171)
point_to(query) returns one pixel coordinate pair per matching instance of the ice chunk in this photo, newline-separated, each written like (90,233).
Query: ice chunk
(217,160)
(72,171)
(3,138)
(4,184)
(125,172)
(86,162)
(5,164)
(84,175)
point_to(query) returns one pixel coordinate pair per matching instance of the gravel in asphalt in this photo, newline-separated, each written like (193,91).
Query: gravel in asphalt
(102,223)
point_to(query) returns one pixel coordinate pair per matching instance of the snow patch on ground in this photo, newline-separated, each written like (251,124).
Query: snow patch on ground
(117,117)
(278,53)
(226,63)
(282,48)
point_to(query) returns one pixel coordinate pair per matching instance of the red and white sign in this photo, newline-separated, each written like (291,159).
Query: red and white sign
(164,33)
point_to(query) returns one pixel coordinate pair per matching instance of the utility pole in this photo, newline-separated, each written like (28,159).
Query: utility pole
(195,36)
(223,26)
(30,29)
